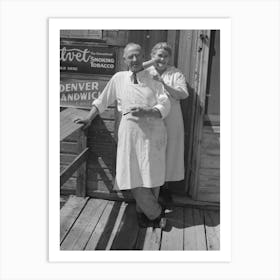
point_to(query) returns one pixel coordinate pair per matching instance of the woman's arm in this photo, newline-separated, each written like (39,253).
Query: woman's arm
(147,64)
(180,91)
(177,94)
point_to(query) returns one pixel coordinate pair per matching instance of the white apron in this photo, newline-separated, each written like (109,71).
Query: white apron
(141,142)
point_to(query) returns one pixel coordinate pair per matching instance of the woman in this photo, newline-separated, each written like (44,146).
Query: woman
(175,85)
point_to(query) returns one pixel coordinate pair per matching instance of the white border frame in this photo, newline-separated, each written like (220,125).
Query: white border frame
(224,254)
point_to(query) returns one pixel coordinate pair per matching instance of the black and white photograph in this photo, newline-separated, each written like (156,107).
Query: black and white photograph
(139,139)
(135,182)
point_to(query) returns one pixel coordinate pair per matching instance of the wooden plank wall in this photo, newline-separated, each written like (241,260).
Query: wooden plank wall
(187,62)
(201,140)
(213,83)
(147,39)
(209,167)
(101,163)
(102,134)
(68,152)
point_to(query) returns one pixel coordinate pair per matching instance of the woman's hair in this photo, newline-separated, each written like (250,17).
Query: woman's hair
(162,46)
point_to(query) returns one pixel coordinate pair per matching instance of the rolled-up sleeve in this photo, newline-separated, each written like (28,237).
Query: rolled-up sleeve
(107,97)
(163,103)
(180,83)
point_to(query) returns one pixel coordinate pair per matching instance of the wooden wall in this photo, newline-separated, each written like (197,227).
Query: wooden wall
(209,166)
(102,134)
(147,39)
(213,83)
(197,56)
(208,188)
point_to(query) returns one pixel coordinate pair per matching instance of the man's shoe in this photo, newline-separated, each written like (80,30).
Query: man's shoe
(143,221)
(160,221)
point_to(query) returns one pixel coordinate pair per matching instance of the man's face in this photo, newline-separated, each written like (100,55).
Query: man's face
(133,58)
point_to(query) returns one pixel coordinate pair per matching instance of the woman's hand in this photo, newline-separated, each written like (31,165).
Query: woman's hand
(158,78)
(85,121)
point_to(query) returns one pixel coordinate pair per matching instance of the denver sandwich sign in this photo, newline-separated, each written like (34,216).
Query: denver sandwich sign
(80,93)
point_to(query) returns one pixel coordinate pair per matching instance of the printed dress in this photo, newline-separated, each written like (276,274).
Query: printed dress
(141,141)
(175,170)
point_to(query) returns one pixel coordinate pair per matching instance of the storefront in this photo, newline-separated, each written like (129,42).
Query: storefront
(88,59)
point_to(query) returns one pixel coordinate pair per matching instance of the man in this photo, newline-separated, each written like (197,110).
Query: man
(142,135)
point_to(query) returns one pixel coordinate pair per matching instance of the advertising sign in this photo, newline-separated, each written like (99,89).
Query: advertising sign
(86,59)
(80,93)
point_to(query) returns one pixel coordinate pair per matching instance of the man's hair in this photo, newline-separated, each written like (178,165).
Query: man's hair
(162,46)
(129,45)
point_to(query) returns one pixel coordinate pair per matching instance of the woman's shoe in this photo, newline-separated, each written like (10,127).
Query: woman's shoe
(165,197)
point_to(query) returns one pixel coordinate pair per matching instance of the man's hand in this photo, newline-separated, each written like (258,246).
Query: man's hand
(86,122)
(141,112)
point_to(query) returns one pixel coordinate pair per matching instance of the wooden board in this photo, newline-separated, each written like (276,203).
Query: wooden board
(139,245)
(210,182)
(103,235)
(126,236)
(117,225)
(194,231)
(66,158)
(100,228)
(76,165)
(173,237)
(82,171)
(179,200)
(69,147)
(101,125)
(108,225)
(96,174)
(152,239)
(69,213)
(209,161)
(209,171)
(92,186)
(81,231)
(212,229)
(205,196)
(67,125)
(63,200)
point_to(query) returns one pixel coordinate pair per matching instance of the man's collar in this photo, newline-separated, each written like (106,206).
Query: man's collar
(141,72)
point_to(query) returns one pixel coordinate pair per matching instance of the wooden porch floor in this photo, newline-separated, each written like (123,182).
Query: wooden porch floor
(97,224)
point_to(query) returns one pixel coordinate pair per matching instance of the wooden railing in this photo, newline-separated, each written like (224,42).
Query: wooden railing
(67,128)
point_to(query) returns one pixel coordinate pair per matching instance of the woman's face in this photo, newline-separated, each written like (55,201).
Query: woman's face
(163,57)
